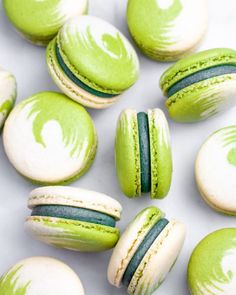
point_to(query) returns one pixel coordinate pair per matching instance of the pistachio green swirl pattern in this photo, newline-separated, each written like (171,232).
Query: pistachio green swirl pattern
(229,139)
(9,284)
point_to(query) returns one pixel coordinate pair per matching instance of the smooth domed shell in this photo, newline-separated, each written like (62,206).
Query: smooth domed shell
(167,29)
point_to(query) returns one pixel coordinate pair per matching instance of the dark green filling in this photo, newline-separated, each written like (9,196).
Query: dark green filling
(142,250)
(201,76)
(144,147)
(73,78)
(73,213)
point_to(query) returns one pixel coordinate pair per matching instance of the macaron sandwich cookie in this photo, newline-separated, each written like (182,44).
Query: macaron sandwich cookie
(215,170)
(143,153)
(50,139)
(146,252)
(40,276)
(92,62)
(211,269)
(200,85)
(7,94)
(73,218)
(167,30)
(39,21)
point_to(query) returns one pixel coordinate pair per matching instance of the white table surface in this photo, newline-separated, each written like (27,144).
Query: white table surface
(27,62)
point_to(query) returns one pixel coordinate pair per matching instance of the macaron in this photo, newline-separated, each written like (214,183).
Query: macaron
(146,252)
(73,218)
(215,170)
(200,85)
(143,153)
(92,62)
(167,30)
(40,276)
(39,21)
(7,95)
(212,266)
(50,139)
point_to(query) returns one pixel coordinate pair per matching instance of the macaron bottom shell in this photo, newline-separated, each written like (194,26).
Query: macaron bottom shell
(69,87)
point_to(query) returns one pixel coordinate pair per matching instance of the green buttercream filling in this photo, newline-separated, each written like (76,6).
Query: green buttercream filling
(78,82)
(201,75)
(144,147)
(142,250)
(74,213)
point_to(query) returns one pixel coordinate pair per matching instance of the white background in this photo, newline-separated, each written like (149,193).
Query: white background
(27,62)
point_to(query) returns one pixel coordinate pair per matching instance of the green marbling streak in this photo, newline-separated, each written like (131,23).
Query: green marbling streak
(9,284)
(45,108)
(229,138)
(205,267)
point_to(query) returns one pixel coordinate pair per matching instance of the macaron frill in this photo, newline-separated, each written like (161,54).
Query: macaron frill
(40,275)
(7,95)
(211,268)
(215,170)
(143,153)
(40,21)
(92,62)
(200,85)
(50,139)
(73,218)
(167,30)
(146,252)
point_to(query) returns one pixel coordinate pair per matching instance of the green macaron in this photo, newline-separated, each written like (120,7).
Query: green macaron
(73,218)
(40,276)
(143,153)
(167,30)
(200,85)
(50,139)
(7,95)
(39,21)
(92,62)
(211,269)
(146,252)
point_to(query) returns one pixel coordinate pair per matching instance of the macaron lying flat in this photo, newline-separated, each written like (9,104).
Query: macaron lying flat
(146,252)
(212,266)
(50,139)
(39,21)
(167,30)
(73,218)
(7,95)
(143,153)
(215,170)
(40,276)
(92,62)
(200,85)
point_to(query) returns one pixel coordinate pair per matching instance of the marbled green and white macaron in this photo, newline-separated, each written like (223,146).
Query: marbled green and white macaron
(215,170)
(143,153)
(50,139)
(146,252)
(7,95)
(200,85)
(212,266)
(73,218)
(167,30)
(39,21)
(40,276)
(92,62)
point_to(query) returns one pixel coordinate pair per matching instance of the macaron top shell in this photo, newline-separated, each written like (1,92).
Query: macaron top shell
(130,241)
(40,276)
(196,62)
(98,54)
(50,139)
(76,197)
(42,19)
(216,170)
(166,30)
(7,94)
(211,269)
